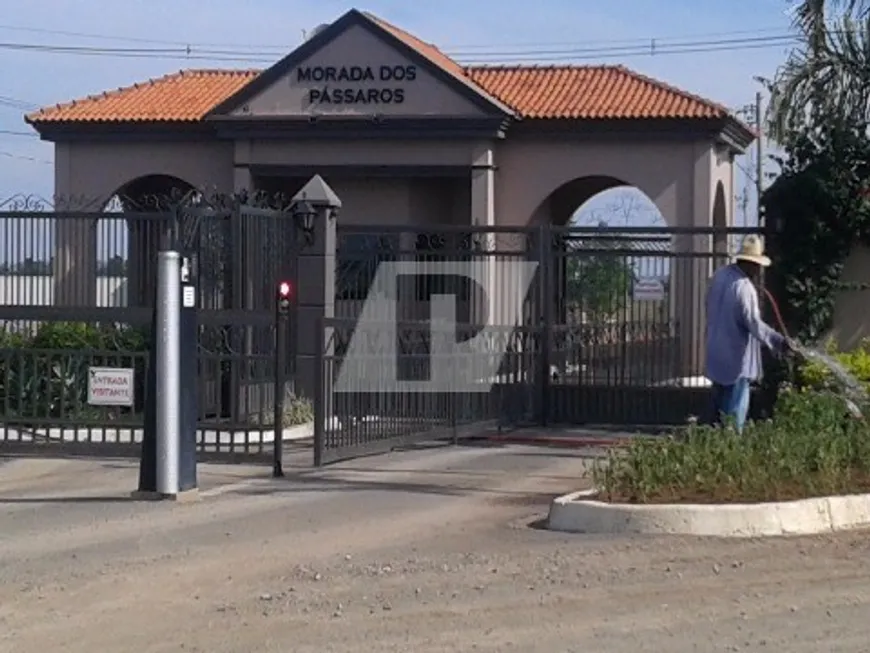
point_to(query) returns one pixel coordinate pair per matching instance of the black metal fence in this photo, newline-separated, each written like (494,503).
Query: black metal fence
(365,408)
(608,329)
(609,332)
(44,386)
(76,285)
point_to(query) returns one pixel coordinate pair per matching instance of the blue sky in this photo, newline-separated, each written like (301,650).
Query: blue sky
(263,29)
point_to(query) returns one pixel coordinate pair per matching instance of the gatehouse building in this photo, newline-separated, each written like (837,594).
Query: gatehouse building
(404,135)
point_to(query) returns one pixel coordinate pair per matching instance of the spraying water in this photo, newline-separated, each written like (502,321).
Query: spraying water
(853,390)
(854,393)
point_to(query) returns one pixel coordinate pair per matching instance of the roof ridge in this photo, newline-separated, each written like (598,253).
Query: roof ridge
(220,71)
(435,56)
(387,24)
(541,66)
(187,74)
(688,95)
(151,81)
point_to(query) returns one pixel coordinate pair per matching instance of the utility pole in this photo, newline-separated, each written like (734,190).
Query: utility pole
(759,160)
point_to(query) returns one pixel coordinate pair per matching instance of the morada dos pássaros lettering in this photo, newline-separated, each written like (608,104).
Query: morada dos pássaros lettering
(341,75)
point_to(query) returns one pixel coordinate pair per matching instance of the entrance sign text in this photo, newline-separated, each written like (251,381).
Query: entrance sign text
(390,93)
(110,386)
(648,290)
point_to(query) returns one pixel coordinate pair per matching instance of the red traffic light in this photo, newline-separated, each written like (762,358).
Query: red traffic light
(285,290)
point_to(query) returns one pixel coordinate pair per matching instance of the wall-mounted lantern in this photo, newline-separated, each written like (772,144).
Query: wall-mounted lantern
(304,215)
(316,201)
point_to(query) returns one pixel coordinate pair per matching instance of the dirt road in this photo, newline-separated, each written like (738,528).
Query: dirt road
(413,552)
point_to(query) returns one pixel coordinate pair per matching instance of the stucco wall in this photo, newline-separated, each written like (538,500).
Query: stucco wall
(851,314)
(416,202)
(98,170)
(530,170)
(361,152)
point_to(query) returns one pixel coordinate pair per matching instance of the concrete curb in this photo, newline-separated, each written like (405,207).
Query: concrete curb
(121,435)
(567,442)
(99,435)
(578,513)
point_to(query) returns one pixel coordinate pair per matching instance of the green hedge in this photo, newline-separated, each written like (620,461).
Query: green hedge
(810,448)
(44,373)
(814,375)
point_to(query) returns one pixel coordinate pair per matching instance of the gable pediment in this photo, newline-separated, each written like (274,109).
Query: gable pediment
(355,69)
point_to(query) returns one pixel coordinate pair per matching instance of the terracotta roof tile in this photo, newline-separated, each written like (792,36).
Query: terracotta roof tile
(565,92)
(533,92)
(589,92)
(185,96)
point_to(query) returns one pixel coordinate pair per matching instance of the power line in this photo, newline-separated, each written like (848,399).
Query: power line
(637,41)
(21,157)
(651,45)
(14,103)
(11,132)
(653,48)
(454,47)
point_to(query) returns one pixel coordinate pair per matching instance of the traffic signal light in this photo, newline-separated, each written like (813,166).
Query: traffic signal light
(285,297)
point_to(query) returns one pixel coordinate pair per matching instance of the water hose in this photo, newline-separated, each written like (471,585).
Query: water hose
(776,313)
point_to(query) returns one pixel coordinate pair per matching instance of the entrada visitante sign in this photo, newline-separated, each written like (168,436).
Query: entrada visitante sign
(344,75)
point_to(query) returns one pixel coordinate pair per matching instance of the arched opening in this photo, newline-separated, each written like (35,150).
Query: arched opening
(136,223)
(605,273)
(611,284)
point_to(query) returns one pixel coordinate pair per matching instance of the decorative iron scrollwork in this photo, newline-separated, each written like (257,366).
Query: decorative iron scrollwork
(174,198)
(35,203)
(25,203)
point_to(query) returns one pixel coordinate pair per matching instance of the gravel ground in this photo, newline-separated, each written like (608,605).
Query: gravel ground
(419,551)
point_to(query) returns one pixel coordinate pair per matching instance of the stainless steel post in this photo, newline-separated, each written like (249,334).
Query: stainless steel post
(168,370)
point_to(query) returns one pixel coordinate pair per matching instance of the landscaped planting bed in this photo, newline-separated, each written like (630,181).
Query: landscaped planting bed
(811,448)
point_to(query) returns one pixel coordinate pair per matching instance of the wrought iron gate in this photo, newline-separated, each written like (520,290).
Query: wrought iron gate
(78,291)
(610,333)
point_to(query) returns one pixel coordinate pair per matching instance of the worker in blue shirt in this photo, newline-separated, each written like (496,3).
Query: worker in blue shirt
(735,332)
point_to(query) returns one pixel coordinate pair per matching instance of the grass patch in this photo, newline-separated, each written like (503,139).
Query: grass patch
(810,449)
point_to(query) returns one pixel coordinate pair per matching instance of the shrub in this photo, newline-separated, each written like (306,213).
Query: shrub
(43,374)
(811,448)
(814,375)
(297,411)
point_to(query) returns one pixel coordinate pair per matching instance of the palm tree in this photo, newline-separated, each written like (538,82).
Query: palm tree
(829,72)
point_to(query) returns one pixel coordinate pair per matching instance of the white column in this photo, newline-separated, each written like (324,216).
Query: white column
(243,182)
(690,274)
(487,311)
(75,239)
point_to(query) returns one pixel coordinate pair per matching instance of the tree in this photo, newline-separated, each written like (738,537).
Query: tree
(597,282)
(811,14)
(828,73)
(598,285)
(626,207)
(820,204)
(820,112)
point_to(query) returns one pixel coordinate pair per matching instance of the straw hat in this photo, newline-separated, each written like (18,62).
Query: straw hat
(752,250)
